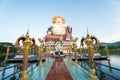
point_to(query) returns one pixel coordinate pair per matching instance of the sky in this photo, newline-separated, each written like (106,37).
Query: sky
(101,17)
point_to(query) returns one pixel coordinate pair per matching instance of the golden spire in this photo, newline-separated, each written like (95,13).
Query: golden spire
(27,34)
(87,31)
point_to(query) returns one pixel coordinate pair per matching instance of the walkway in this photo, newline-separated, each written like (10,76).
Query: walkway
(40,73)
(77,72)
(59,71)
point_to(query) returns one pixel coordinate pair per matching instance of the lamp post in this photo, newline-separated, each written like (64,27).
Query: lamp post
(26,44)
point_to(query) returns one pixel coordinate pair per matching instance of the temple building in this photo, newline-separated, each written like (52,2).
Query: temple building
(58,56)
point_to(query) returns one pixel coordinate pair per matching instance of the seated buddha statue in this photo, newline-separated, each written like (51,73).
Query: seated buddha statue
(58,30)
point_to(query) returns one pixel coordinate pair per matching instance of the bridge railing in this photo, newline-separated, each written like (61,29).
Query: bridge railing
(10,67)
(85,65)
(16,73)
(4,76)
(105,73)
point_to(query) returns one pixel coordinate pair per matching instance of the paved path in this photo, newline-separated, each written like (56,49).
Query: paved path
(59,71)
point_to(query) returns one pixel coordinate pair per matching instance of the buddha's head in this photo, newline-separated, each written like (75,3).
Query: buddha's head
(58,20)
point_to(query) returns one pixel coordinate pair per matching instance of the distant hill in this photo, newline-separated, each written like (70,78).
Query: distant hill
(6,44)
(110,44)
(113,47)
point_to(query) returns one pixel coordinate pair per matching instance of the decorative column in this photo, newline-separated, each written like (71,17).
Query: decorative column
(80,52)
(89,43)
(6,57)
(26,44)
(75,52)
(7,53)
(40,51)
(75,49)
(67,48)
(69,52)
(107,52)
(47,53)
(108,58)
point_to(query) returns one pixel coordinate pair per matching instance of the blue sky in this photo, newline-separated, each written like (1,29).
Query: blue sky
(101,17)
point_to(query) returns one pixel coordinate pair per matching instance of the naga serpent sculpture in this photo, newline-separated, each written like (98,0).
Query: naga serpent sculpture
(93,38)
(23,38)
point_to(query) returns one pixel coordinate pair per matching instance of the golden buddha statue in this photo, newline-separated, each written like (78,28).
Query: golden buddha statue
(58,30)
